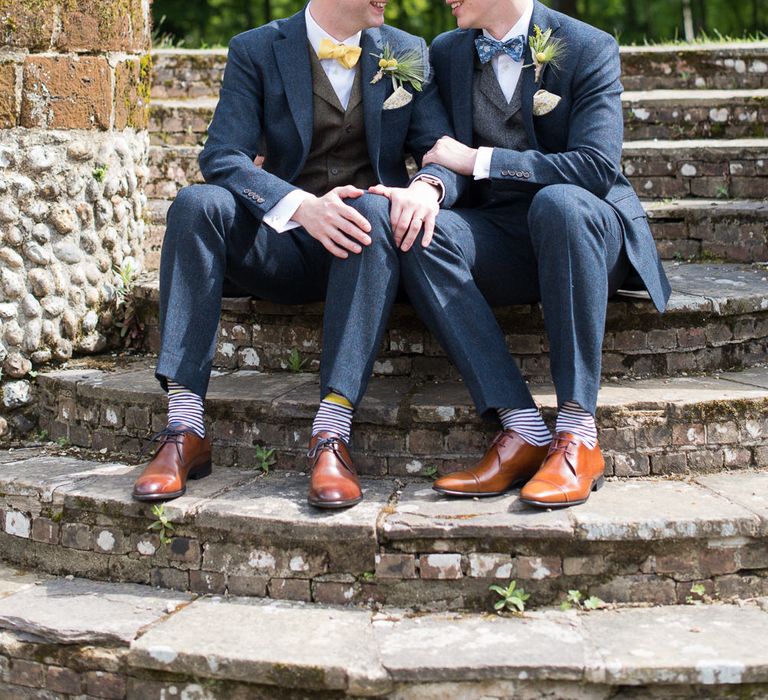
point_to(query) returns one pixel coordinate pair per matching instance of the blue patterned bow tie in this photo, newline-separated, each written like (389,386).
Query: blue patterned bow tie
(488,48)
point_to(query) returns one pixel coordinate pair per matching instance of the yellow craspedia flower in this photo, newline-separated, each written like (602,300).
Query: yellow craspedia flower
(383,63)
(541,57)
(392,63)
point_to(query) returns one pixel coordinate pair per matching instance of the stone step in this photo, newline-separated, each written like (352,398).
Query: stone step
(717,318)
(406,427)
(662,114)
(134,642)
(245,533)
(710,169)
(684,229)
(718,66)
(190,73)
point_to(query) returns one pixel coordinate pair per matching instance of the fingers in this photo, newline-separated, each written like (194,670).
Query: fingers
(348,192)
(429,229)
(360,224)
(413,230)
(400,220)
(333,249)
(383,190)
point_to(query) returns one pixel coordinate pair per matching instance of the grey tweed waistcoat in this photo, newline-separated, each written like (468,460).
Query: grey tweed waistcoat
(497,123)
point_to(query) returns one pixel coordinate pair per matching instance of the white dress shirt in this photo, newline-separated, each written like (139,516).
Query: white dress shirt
(342,80)
(508,74)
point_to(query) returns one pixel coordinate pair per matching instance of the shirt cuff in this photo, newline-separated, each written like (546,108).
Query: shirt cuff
(435,182)
(482,169)
(279,216)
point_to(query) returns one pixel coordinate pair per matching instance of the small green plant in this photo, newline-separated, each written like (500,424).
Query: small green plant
(124,306)
(162,524)
(721,192)
(512,598)
(99,172)
(41,436)
(431,472)
(63,441)
(367,576)
(698,594)
(576,600)
(295,363)
(264,458)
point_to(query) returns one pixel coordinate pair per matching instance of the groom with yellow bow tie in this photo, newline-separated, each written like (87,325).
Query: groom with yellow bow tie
(305,92)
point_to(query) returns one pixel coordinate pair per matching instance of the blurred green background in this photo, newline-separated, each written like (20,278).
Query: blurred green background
(204,23)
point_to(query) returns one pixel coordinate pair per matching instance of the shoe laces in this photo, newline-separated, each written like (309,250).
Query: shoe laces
(327,444)
(168,435)
(560,444)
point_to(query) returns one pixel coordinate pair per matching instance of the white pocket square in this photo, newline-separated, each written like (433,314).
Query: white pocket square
(544,102)
(399,98)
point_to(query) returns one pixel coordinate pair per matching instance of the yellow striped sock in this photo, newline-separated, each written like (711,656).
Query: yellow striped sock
(338,399)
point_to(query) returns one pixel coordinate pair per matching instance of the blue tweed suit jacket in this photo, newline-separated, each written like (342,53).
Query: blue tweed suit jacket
(579,142)
(265,107)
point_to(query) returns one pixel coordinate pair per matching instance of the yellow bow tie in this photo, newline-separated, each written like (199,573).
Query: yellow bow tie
(346,55)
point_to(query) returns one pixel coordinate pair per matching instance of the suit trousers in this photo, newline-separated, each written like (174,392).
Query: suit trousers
(212,239)
(562,247)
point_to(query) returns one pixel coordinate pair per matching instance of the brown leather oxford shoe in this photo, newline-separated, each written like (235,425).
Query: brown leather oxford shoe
(181,455)
(570,473)
(333,481)
(510,461)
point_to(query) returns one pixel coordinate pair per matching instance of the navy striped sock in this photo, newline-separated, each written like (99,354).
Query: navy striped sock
(335,416)
(527,423)
(184,406)
(572,418)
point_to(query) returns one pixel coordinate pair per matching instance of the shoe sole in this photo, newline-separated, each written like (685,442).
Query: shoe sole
(199,473)
(596,486)
(333,505)
(487,494)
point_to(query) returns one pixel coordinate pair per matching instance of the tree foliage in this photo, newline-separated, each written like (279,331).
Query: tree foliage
(201,23)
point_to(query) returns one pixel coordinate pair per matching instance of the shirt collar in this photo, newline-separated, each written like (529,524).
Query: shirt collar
(521,26)
(315,33)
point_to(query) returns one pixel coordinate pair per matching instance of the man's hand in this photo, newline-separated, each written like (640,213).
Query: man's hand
(410,209)
(336,225)
(452,154)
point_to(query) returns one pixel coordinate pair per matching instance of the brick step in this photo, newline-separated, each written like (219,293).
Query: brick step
(244,533)
(685,229)
(138,643)
(694,114)
(717,318)
(190,73)
(662,114)
(148,645)
(404,427)
(733,230)
(709,169)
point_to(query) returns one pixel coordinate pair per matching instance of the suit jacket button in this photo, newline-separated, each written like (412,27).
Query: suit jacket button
(260,200)
(504,173)
(526,174)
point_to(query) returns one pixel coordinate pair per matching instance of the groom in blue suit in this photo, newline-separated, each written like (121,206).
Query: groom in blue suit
(552,220)
(304,93)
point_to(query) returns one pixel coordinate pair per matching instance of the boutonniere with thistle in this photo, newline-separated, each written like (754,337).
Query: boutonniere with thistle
(408,67)
(545,50)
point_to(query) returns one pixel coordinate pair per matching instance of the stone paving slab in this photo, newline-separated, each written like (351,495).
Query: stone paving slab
(13,580)
(707,645)
(80,611)
(642,510)
(422,513)
(111,492)
(453,647)
(749,489)
(43,476)
(286,645)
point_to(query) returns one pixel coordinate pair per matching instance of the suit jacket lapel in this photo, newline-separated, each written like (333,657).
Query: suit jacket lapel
(546,20)
(373,95)
(462,72)
(292,56)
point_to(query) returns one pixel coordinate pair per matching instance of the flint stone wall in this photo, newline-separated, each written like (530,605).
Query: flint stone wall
(74,107)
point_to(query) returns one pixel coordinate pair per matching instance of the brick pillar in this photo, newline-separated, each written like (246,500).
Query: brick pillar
(74,93)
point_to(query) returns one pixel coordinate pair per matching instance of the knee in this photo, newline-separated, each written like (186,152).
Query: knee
(557,210)
(195,204)
(375,209)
